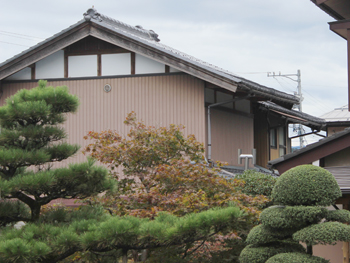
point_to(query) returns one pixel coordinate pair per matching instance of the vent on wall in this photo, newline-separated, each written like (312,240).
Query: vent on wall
(107,88)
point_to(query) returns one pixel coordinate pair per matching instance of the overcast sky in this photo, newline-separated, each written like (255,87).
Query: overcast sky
(249,38)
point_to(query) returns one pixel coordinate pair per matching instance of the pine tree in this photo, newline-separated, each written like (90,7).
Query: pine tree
(32,137)
(300,215)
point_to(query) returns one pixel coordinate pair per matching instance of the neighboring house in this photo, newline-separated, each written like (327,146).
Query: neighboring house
(339,10)
(337,120)
(333,154)
(115,68)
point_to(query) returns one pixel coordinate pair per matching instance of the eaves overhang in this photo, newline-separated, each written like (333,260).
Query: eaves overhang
(293,116)
(341,28)
(338,9)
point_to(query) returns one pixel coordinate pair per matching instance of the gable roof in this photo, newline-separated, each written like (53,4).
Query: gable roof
(146,43)
(312,152)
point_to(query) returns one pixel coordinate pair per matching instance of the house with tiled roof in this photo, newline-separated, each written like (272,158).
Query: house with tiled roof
(115,68)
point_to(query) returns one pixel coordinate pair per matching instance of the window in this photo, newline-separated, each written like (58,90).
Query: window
(282,141)
(273,138)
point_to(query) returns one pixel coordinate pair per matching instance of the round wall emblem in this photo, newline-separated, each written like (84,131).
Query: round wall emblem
(107,88)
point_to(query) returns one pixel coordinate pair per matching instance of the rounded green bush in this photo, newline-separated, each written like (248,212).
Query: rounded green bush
(259,235)
(296,258)
(338,215)
(306,185)
(256,183)
(281,218)
(256,254)
(324,233)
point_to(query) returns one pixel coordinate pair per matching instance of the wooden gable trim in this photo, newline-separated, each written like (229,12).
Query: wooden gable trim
(45,50)
(140,48)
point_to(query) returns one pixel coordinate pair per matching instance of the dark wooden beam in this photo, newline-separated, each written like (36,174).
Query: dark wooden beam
(32,71)
(133,63)
(65,64)
(99,65)
(97,52)
(167,69)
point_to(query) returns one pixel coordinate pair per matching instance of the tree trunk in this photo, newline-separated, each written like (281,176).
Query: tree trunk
(125,256)
(309,249)
(144,255)
(35,212)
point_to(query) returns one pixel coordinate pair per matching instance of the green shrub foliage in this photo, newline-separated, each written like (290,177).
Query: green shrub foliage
(259,254)
(32,136)
(324,233)
(296,258)
(291,217)
(261,235)
(52,241)
(306,185)
(256,183)
(338,215)
(301,195)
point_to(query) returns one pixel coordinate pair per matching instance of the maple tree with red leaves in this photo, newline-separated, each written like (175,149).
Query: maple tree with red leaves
(162,170)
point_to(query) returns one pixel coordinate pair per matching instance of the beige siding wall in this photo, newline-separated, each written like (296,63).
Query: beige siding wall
(157,100)
(230,132)
(338,158)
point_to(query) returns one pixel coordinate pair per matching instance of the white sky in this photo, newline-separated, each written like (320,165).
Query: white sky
(249,38)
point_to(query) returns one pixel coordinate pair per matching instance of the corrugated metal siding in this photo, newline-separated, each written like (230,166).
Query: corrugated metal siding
(230,132)
(157,100)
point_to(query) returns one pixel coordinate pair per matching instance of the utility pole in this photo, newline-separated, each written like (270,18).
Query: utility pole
(296,127)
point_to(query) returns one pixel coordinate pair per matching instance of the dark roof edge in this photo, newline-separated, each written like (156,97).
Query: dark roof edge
(314,121)
(338,123)
(268,93)
(328,10)
(309,147)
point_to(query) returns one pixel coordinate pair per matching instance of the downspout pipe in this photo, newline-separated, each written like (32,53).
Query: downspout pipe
(209,120)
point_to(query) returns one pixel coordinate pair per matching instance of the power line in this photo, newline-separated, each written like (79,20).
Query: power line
(27,38)
(13,44)
(7,32)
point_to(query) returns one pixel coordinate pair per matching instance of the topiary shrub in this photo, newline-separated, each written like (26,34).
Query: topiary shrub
(325,233)
(259,254)
(291,217)
(256,183)
(300,194)
(296,258)
(338,215)
(260,235)
(306,185)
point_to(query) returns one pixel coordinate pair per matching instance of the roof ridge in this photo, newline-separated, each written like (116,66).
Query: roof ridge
(92,13)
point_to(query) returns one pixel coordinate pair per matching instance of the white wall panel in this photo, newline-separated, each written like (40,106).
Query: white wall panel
(21,75)
(116,64)
(51,66)
(82,66)
(147,66)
